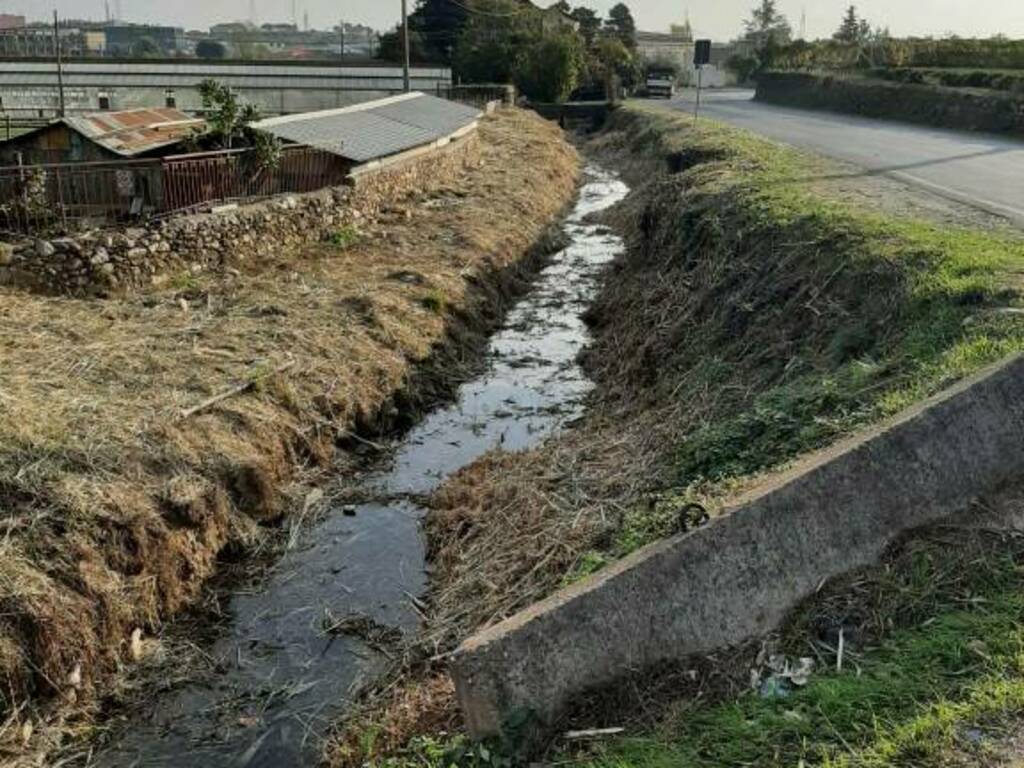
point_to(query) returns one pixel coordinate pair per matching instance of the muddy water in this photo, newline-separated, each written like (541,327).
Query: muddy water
(276,678)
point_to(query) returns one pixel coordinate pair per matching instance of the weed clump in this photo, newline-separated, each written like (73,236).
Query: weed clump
(344,238)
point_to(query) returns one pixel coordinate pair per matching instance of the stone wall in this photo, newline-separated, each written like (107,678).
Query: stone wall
(109,261)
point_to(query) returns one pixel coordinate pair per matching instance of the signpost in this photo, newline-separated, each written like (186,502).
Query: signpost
(405,47)
(701,56)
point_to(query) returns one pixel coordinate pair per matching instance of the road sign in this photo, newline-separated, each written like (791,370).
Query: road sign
(701,57)
(702,53)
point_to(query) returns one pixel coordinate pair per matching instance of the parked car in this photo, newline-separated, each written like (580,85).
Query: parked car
(661,85)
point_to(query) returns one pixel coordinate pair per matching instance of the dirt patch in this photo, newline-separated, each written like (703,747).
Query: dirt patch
(142,436)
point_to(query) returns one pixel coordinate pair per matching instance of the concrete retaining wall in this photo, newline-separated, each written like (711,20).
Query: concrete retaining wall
(738,577)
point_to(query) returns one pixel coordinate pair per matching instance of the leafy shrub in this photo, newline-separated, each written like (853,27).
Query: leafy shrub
(549,69)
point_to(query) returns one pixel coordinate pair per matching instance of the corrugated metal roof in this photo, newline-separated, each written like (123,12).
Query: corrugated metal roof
(375,129)
(135,131)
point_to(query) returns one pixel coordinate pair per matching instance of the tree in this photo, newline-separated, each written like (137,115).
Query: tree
(767,28)
(438,24)
(229,123)
(562,6)
(391,48)
(589,21)
(620,23)
(211,49)
(492,41)
(852,29)
(549,69)
(611,59)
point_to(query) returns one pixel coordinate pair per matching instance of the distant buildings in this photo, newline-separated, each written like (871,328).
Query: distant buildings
(666,48)
(37,40)
(85,39)
(287,41)
(242,40)
(677,48)
(141,40)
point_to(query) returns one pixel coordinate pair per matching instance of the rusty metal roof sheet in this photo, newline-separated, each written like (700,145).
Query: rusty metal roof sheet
(135,131)
(375,129)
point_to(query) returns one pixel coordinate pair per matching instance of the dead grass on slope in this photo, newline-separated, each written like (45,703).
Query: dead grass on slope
(748,324)
(114,506)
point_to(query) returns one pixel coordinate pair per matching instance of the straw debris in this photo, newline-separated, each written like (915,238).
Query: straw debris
(750,322)
(141,436)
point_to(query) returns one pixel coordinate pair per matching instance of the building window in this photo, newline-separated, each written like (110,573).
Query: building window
(169,101)
(104,101)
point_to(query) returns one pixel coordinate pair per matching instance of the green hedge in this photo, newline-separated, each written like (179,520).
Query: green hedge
(952,53)
(995,80)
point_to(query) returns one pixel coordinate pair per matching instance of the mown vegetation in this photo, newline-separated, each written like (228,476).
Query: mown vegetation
(142,435)
(755,318)
(804,319)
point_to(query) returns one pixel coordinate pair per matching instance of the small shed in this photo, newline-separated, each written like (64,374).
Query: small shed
(376,131)
(102,136)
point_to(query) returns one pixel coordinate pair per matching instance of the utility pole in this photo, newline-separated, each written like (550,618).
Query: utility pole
(405,47)
(60,64)
(341,34)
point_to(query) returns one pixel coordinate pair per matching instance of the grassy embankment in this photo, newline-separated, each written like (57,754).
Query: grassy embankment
(122,481)
(752,320)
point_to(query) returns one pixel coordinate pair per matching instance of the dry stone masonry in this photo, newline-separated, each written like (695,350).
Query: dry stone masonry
(111,261)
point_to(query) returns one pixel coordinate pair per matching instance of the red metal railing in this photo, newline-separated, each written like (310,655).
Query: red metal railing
(194,180)
(42,199)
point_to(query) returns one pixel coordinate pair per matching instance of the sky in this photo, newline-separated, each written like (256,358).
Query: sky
(717,19)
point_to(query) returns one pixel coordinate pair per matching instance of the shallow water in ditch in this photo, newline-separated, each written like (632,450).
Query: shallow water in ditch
(278,679)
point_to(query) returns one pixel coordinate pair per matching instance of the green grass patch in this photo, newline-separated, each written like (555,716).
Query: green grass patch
(941,684)
(345,237)
(816,318)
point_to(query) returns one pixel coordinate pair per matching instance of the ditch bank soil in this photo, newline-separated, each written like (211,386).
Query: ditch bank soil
(143,438)
(749,322)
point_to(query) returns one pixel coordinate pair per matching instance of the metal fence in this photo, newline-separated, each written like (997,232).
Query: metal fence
(67,197)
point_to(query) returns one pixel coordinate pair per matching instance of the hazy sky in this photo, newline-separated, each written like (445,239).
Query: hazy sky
(718,19)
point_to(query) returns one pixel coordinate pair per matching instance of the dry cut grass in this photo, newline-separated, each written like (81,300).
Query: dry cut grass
(750,322)
(114,507)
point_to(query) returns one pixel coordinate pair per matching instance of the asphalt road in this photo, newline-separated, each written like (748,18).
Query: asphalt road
(977,169)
